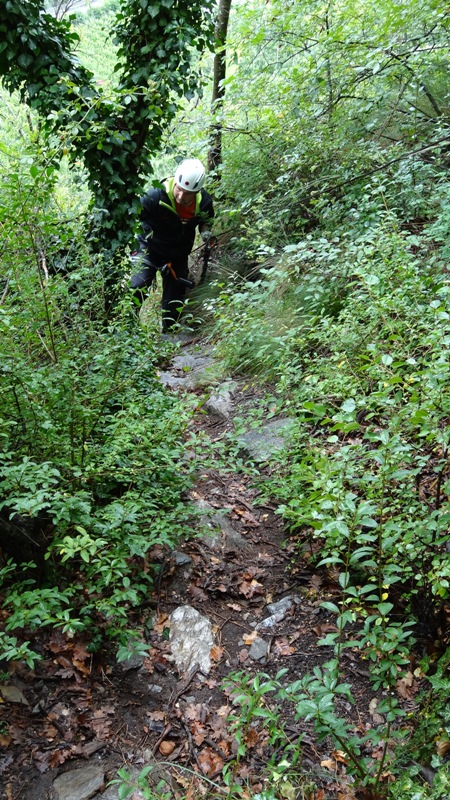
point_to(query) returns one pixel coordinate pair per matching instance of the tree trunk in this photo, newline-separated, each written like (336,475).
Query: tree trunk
(218,92)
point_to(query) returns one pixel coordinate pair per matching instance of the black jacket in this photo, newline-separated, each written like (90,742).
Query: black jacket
(165,236)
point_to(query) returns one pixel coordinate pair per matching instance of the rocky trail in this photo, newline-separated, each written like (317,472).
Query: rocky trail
(236,598)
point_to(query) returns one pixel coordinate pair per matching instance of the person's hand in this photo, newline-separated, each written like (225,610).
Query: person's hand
(209,238)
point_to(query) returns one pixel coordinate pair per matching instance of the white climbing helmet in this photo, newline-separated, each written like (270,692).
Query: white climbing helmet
(190,175)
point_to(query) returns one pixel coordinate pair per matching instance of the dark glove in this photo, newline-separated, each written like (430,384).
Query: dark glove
(209,239)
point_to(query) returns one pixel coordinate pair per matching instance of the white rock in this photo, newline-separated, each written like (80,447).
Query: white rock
(191,639)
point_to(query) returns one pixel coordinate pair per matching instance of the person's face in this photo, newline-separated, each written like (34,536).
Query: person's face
(182,197)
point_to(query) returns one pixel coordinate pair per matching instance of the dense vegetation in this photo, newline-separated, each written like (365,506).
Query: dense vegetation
(334,236)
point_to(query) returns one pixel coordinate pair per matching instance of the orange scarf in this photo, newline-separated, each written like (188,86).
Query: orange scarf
(185,212)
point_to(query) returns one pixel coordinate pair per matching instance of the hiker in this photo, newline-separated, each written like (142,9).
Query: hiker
(170,217)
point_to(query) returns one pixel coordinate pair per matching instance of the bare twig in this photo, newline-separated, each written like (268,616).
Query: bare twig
(192,747)
(183,685)
(166,730)
(5,292)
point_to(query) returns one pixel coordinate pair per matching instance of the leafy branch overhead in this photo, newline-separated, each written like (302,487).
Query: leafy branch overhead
(118,130)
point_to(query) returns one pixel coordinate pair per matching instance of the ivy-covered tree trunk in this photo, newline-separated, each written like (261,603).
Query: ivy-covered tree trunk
(218,92)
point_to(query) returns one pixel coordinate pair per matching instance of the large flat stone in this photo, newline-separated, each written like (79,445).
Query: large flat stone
(188,371)
(11,694)
(222,536)
(220,402)
(262,443)
(258,650)
(79,784)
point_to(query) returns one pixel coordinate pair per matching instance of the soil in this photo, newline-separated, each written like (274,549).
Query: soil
(77,708)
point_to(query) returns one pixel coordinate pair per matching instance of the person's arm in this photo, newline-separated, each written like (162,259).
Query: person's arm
(149,203)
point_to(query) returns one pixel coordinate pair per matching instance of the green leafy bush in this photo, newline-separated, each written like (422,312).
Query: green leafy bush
(91,460)
(363,372)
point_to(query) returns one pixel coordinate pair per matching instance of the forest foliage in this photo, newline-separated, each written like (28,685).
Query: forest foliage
(334,292)
(114,128)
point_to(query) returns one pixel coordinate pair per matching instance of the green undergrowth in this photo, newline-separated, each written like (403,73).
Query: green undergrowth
(92,477)
(352,328)
(92,467)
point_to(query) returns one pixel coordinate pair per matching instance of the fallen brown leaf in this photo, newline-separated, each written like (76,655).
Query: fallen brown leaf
(373,705)
(246,517)
(194,711)
(329,763)
(161,623)
(58,757)
(377,718)
(57,643)
(252,572)
(225,746)
(406,687)
(340,756)
(199,732)
(210,761)
(216,653)
(197,593)
(442,747)
(253,737)
(321,630)
(156,715)
(81,667)
(250,588)
(282,647)
(68,669)
(51,758)
(80,652)
(101,723)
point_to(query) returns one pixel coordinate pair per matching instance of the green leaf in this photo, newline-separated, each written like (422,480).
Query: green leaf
(330,607)
(349,406)
(125,791)
(317,408)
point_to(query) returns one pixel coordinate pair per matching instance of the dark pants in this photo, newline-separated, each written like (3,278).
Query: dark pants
(173,292)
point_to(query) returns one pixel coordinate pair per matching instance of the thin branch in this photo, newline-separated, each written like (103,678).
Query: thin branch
(5,292)
(369,173)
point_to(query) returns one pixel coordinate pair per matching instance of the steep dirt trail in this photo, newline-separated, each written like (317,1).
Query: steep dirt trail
(79,718)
